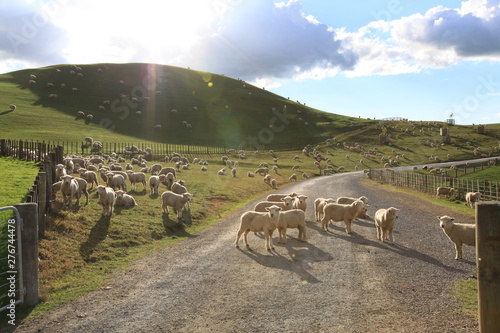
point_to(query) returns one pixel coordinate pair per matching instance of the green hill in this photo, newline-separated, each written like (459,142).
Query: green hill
(210,109)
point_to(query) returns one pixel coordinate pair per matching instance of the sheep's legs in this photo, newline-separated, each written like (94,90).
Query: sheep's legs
(458,250)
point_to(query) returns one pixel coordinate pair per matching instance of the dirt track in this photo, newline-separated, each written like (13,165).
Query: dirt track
(333,283)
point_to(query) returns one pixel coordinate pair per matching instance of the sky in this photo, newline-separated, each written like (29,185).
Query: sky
(421,60)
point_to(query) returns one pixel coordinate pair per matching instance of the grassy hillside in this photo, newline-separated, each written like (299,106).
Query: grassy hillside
(220,110)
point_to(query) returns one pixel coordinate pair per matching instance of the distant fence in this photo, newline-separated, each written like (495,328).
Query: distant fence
(429,183)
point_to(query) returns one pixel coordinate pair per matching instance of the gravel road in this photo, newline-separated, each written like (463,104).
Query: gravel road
(333,283)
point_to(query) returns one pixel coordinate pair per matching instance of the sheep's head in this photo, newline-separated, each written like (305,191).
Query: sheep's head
(393,212)
(444,221)
(188,196)
(288,200)
(67,179)
(273,210)
(119,194)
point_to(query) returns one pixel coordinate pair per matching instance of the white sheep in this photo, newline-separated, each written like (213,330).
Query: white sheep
(262,171)
(60,171)
(222,172)
(299,202)
(156,168)
(89,176)
(107,198)
(233,172)
(154,184)
(115,181)
(12,107)
(293,178)
(274,183)
(319,204)
(136,177)
(472,198)
(384,222)
(295,218)
(265,222)
(458,233)
(446,191)
(124,199)
(250,174)
(178,187)
(285,203)
(349,200)
(177,201)
(338,212)
(70,189)
(278,197)
(166,170)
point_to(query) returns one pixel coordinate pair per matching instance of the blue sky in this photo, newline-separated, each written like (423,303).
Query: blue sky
(375,59)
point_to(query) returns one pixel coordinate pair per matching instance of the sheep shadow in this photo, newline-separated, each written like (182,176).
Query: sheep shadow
(98,233)
(174,228)
(6,112)
(118,209)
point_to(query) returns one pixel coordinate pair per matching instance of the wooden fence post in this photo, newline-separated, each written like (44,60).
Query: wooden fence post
(42,203)
(29,239)
(488,265)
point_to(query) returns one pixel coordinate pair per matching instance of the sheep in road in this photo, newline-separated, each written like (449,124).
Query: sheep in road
(299,202)
(384,222)
(69,189)
(107,197)
(472,198)
(177,201)
(278,197)
(338,212)
(259,222)
(319,204)
(458,233)
(286,203)
(295,218)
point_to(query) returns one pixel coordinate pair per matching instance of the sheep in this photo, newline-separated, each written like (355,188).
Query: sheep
(136,177)
(155,168)
(70,189)
(319,204)
(250,174)
(267,179)
(278,197)
(285,204)
(60,171)
(293,178)
(124,199)
(458,233)
(169,179)
(446,191)
(348,200)
(204,168)
(472,198)
(154,184)
(178,187)
(107,198)
(265,222)
(89,117)
(115,181)
(53,96)
(222,172)
(384,222)
(299,202)
(274,183)
(166,170)
(177,201)
(233,172)
(89,176)
(262,171)
(338,212)
(294,218)
(12,107)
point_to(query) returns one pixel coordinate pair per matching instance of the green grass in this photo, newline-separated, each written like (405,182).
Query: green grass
(491,173)
(465,292)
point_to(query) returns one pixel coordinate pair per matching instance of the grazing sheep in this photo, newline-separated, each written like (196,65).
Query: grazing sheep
(250,174)
(12,107)
(204,168)
(472,198)
(222,172)
(136,177)
(319,204)
(446,191)
(107,198)
(124,199)
(265,222)
(233,172)
(169,179)
(89,176)
(285,203)
(154,184)
(384,222)
(70,189)
(262,171)
(293,178)
(166,170)
(294,218)
(279,197)
(178,187)
(299,202)
(267,179)
(156,168)
(458,233)
(338,212)
(274,183)
(348,200)
(53,96)
(177,201)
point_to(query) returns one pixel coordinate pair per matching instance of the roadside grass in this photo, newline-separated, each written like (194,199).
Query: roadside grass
(465,293)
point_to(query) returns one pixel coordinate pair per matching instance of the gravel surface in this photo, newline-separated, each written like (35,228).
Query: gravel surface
(333,283)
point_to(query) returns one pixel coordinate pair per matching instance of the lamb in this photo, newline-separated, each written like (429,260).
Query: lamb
(294,218)
(89,176)
(233,172)
(178,187)
(262,171)
(115,181)
(299,202)
(338,212)
(124,199)
(348,200)
(472,198)
(177,201)
(458,233)
(285,204)
(446,191)
(169,179)
(259,222)
(319,204)
(107,198)
(136,177)
(70,189)
(384,222)
(278,197)
(293,178)
(250,174)
(154,184)
(166,170)
(274,183)
(60,171)
(222,172)
(156,168)
(12,107)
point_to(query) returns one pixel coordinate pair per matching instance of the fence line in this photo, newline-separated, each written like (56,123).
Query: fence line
(429,183)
